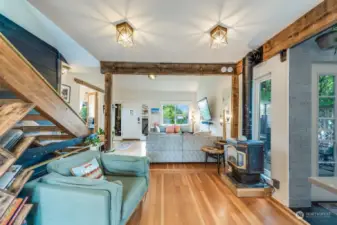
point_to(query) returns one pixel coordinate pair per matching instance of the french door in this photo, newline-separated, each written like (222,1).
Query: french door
(262,117)
(324,92)
(324,120)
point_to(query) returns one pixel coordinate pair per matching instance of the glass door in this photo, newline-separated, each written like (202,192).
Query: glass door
(262,121)
(326,125)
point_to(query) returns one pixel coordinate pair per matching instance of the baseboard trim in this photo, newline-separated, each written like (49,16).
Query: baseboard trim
(287,211)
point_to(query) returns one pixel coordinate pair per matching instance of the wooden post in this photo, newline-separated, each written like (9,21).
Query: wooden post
(107,110)
(235,107)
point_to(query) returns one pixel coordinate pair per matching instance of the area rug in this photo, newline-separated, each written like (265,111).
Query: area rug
(332,207)
(123,146)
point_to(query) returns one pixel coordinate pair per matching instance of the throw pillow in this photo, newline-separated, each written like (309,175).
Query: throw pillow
(176,129)
(162,129)
(170,129)
(90,169)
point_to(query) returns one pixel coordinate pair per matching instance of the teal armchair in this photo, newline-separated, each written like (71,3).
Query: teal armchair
(63,199)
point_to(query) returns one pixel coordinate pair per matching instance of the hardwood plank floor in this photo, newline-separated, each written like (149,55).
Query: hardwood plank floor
(189,194)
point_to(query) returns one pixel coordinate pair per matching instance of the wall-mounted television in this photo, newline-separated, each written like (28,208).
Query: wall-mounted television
(205,112)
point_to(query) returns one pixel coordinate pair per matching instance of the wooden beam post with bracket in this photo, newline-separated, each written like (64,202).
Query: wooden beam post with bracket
(107,110)
(235,107)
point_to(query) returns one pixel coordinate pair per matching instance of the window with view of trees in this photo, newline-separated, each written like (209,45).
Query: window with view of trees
(326,126)
(175,114)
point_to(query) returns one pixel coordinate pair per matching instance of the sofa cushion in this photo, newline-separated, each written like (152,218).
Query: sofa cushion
(117,165)
(170,130)
(63,166)
(113,188)
(134,188)
(177,129)
(89,169)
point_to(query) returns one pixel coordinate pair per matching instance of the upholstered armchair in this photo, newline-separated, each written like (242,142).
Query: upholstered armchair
(61,198)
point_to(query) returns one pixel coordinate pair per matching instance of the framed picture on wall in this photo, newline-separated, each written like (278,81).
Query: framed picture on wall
(65,92)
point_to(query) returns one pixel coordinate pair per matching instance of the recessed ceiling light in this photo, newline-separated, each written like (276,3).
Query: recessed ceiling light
(230,69)
(224,69)
(152,76)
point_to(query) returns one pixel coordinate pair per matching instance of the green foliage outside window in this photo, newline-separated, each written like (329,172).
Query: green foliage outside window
(175,114)
(265,91)
(326,88)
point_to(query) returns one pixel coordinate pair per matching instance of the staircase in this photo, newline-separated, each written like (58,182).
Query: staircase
(36,101)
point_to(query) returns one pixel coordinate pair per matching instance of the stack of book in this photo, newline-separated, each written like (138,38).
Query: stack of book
(13,211)
(8,178)
(11,138)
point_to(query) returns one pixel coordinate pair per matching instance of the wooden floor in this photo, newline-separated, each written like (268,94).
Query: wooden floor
(189,194)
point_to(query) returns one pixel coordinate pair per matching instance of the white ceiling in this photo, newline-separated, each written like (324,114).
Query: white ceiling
(172,30)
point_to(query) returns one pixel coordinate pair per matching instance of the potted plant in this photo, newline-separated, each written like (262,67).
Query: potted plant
(100,134)
(96,139)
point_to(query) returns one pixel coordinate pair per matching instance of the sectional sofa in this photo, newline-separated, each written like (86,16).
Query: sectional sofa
(179,148)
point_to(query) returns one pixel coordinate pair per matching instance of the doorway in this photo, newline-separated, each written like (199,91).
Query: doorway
(324,154)
(262,118)
(131,121)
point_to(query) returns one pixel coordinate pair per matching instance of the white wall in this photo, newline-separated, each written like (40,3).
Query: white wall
(28,17)
(91,75)
(152,98)
(279,123)
(217,89)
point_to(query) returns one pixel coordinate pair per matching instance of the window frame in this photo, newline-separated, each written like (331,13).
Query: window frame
(162,104)
(318,71)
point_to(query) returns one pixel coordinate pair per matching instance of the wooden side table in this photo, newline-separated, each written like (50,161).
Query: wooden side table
(214,153)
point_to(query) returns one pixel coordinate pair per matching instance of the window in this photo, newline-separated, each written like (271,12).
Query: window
(175,114)
(326,125)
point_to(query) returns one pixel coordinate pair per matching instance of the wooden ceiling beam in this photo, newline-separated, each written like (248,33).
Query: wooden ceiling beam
(239,67)
(316,20)
(137,68)
(84,83)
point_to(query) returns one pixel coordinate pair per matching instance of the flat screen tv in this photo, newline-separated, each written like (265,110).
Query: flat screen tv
(205,112)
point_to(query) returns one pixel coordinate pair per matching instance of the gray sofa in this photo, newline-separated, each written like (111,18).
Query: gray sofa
(162,147)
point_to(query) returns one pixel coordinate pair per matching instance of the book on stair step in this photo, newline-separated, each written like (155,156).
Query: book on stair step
(11,138)
(6,200)
(7,179)
(17,212)
(11,211)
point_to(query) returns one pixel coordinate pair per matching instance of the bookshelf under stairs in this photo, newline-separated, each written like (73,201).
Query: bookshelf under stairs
(63,137)
(10,114)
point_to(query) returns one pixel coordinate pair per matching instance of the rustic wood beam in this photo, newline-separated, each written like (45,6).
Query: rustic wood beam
(29,85)
(138,68)
(235,107)
(107,110)
(10,114)
(39,128)
(316,20)
(239,67)
(9,101)
(84,83)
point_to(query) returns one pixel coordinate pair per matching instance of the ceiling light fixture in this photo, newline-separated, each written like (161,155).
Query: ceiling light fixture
(152,76)
(218,37)
(124,34)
